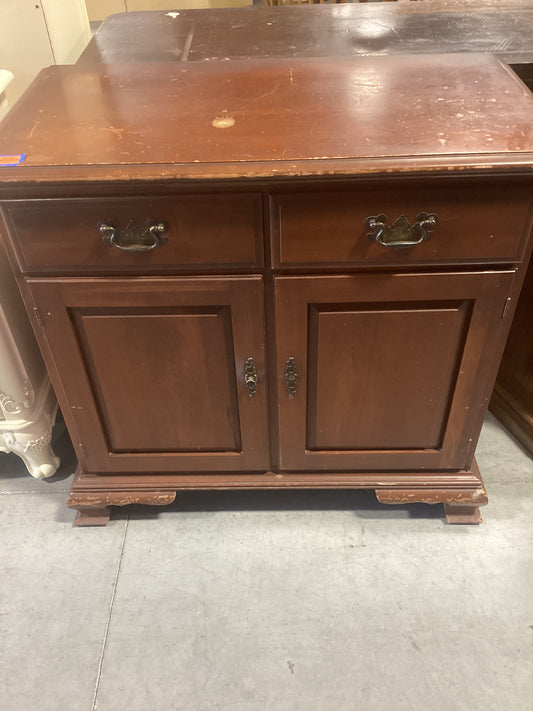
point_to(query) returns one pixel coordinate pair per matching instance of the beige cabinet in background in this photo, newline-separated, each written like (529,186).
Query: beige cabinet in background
(37,33)
(98,10)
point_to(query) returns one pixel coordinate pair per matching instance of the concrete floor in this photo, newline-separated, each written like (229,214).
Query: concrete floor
(268,601)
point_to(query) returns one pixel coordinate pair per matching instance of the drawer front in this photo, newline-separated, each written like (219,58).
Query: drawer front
(202,232)
(330,228)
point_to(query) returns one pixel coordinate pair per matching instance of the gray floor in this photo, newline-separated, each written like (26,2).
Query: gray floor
(268,601)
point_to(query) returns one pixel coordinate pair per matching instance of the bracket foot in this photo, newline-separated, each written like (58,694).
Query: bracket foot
(92,516)
(460,513)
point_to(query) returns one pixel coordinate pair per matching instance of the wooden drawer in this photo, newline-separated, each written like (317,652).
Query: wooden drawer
(328,228)
(203,232)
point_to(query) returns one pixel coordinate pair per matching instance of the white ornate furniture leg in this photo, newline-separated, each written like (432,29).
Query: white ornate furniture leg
(27,402)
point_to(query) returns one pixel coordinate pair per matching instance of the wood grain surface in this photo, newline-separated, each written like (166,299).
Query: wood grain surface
(504,28)
(270,118)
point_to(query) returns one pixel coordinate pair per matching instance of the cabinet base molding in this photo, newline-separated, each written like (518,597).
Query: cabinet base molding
(461,492)
(459,506)
(93,506)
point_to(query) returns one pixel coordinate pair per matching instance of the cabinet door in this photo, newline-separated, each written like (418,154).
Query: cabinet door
(393,371)
(152,371)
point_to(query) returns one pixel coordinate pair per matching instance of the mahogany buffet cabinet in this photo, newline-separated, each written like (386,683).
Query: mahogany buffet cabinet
(359,29)
(272,273)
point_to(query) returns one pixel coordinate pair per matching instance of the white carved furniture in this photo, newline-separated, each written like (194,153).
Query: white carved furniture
(27,402)
(28,405)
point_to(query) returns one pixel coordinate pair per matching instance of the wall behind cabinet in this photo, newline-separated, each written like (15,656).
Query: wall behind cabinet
(100,9)
(37,33)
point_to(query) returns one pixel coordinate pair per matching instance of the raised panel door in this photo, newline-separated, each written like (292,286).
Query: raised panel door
(391,370)
(153,370)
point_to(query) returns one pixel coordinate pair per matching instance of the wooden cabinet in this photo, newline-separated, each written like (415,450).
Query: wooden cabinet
(224,302)
(372,376)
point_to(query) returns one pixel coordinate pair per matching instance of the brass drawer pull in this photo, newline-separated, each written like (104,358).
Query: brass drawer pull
(290,377)
(250,377)
(133,238)
(402,234)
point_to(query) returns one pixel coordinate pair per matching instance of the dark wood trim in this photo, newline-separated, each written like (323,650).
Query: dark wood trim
(93,494)
(251,152)
(99,485)
(499,164)
(513,415)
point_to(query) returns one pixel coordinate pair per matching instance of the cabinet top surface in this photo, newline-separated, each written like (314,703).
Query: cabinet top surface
(437,27)
(264,118)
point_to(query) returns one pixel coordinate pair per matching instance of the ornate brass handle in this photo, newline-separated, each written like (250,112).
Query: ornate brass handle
(133,238)
(250,377)
(401,234)
(290,377)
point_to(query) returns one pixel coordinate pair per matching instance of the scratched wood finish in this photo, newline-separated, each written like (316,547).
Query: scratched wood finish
(354,29)
(234,118)
(462,493)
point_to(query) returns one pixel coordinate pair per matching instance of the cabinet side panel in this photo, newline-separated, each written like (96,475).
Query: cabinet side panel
(512,400)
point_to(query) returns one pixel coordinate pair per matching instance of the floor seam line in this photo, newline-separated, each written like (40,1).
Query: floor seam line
(108,622)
